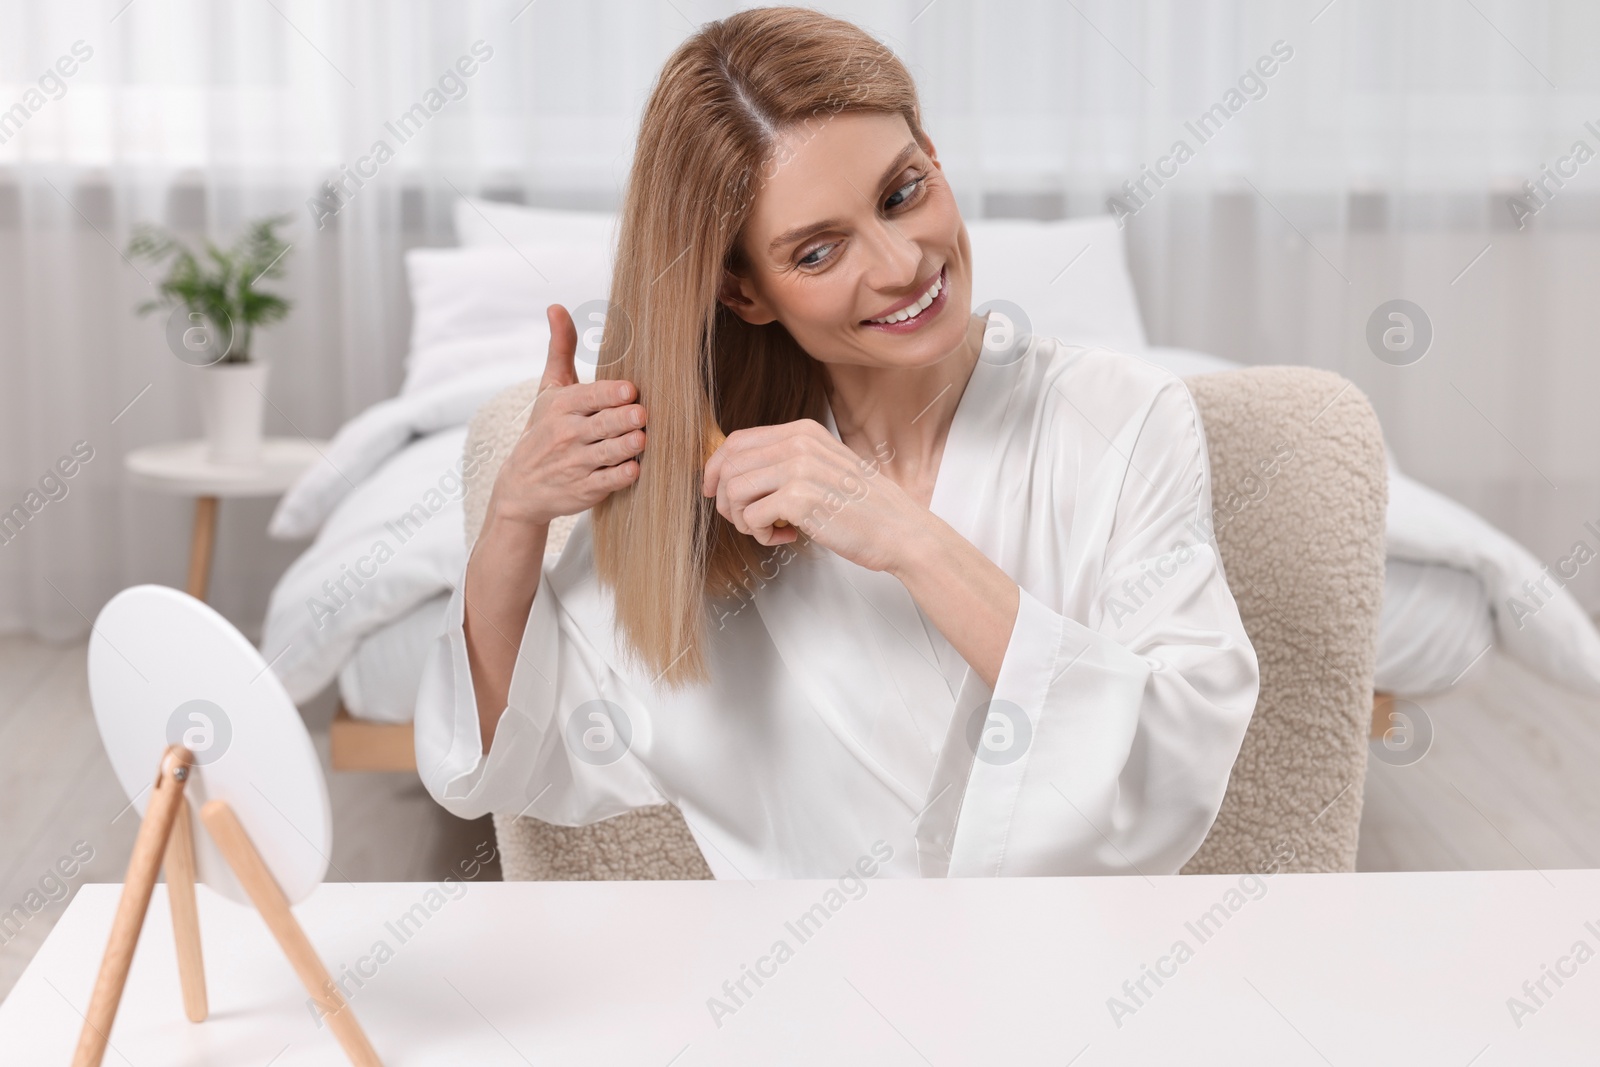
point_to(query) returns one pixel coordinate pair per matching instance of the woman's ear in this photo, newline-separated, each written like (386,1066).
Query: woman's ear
(740,297)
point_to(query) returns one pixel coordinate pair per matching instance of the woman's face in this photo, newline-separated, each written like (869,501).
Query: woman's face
(852,221)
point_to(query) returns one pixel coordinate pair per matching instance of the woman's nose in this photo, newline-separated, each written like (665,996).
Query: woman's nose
(895,256)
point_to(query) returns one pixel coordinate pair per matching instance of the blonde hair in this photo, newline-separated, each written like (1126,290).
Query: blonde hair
(708,137)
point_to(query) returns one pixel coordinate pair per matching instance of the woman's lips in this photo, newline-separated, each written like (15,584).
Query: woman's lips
(928,313)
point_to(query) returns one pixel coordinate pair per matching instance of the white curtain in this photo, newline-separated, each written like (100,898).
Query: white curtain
(1350,153)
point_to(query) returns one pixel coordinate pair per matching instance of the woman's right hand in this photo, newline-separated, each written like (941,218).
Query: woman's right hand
(579,444)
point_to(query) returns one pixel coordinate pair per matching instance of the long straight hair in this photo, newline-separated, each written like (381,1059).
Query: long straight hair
(708,140)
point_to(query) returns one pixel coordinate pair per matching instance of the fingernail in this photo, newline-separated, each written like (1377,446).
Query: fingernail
(636,417)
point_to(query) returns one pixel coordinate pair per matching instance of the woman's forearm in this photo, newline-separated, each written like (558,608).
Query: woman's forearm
(963,592)
(502,579)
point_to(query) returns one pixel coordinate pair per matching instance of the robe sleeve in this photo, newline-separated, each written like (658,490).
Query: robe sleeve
(565,747)
(1133,720)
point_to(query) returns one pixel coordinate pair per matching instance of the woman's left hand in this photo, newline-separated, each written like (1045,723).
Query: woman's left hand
(800,473)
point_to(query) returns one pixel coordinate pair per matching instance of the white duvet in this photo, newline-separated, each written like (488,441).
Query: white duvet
(385,507)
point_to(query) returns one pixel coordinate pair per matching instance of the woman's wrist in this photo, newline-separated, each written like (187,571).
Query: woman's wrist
(965,594)
(919,547)
(520,520)
(511,551)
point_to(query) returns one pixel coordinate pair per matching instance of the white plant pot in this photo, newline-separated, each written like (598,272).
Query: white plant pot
(233,398)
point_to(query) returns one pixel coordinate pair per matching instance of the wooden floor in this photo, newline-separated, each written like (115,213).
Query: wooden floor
(57,789)
(1507,783)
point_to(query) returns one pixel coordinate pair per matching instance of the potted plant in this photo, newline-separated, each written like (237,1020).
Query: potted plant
(215,309)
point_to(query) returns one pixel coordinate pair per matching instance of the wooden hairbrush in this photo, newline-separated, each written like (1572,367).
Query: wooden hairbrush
(714,439)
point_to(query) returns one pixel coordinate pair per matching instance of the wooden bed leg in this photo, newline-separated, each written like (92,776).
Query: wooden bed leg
(371,746)
(1382,710)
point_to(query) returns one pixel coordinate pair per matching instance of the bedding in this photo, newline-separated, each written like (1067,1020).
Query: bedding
(1070,278)
(380,681)
(1557,641)
(1436,622)
(392,543)
(472,307)
(369,440)
(491,223)
(479,327)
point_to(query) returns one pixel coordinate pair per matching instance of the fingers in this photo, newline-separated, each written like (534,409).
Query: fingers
(613,422)
(608,480)
(560,369)
(737,459)
(712,475)
(614,450)
(753,436)
(590,397)
(559,366)
(740,489)
(755,465)
(764,521)
(720,463)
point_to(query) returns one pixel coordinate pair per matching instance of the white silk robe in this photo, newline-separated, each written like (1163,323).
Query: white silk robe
(838,717)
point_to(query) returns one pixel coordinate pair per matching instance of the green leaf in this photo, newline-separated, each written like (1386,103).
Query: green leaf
(220,286)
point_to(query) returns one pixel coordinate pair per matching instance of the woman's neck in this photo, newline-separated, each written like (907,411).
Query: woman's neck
(903,415)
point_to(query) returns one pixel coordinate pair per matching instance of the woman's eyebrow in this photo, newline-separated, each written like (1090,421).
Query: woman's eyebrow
(799,233)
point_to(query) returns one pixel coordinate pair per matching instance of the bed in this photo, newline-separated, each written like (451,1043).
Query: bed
(360,605)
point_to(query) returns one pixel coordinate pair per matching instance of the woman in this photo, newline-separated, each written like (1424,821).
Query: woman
(931,598)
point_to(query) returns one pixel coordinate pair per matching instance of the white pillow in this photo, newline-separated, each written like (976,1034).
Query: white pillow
(448,360)
(1070,278)
(482,223)
(474,306)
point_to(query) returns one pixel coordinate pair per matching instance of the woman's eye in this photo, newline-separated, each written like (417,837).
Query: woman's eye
(807,260)
(908,185)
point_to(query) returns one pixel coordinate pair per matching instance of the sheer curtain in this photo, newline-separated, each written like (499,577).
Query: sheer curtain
(1336,156)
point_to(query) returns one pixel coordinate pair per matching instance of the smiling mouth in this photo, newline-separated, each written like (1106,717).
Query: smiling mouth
(916,307)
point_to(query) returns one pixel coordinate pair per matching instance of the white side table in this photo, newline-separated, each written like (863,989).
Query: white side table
(183,467)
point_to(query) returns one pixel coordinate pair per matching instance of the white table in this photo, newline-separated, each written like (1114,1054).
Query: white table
(1341,969)
(185,467)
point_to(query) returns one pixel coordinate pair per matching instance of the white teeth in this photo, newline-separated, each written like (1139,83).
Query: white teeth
(913,310)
